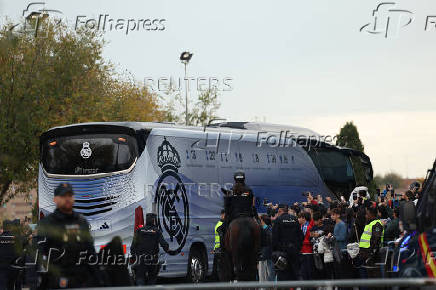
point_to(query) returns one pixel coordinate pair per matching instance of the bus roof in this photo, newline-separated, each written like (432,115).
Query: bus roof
(242,127)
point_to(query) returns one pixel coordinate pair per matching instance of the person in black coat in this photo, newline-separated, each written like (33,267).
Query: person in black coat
(287,239)
(266,272)
(10,251)
(145,251)
(66,246)
(113,264)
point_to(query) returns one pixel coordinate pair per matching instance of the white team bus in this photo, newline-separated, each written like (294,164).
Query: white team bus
(120,171)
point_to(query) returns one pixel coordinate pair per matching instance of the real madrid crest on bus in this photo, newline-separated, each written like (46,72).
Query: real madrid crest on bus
(86,150)
(171,199)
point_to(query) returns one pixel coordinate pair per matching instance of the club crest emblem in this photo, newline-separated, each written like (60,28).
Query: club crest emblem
(171,199)
(86,151)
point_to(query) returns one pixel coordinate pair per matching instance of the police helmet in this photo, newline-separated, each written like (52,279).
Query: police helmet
(150,219)
(239,176)
(415,186)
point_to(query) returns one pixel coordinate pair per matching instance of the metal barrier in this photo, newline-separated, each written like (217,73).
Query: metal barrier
(328,284)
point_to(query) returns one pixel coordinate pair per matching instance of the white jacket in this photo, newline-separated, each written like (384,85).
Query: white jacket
(324,248)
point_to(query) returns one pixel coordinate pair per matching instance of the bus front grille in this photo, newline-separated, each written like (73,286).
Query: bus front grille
(93,197)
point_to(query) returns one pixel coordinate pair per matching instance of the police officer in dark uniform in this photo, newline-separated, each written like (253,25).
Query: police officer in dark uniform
(66,245)
(145,249)
(238,202)
(9,254)
(287,239)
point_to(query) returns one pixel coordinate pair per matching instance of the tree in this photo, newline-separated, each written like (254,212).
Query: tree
(389,178)
(349,137)
(59,79)
(204,109)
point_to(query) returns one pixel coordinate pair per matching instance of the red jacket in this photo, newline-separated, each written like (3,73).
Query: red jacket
(307,247)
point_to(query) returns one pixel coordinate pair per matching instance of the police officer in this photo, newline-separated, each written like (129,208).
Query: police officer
(370,241)
(9,253)
(287,239)
(217,249)
(145,249)
(238,202)
(218,229)
(66,245)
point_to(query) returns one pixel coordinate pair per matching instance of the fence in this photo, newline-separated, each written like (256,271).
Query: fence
(416,283)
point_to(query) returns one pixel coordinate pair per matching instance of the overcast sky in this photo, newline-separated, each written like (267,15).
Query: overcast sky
(303,63)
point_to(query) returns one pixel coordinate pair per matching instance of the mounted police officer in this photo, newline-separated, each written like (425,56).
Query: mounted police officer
(238,202)
(145,249)
(287,239)
(10,249)
(66,245)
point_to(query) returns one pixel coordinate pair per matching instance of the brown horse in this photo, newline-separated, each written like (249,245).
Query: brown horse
(242,242)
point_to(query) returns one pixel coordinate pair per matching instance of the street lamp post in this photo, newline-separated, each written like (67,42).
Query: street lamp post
(36,18)
(185,57)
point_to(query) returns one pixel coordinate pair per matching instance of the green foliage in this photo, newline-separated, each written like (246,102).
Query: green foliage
(349,137)
(35,212)
(57,79)
(389,178)
(199,114)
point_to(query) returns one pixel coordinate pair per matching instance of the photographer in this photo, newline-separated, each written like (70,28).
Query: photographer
(360,209)
(271,210)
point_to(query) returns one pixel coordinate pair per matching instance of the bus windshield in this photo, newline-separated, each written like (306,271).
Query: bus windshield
(88,154)
(335,169)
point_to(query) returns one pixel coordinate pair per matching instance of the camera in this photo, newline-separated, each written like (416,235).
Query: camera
(265,202)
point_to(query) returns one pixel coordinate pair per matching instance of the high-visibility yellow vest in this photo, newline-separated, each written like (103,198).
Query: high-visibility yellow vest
(365,239)
(217,236)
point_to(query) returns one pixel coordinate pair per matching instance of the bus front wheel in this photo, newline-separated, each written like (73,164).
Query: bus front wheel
(197,266)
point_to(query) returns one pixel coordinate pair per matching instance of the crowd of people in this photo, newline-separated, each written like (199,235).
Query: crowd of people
(318,239)
(336,239)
